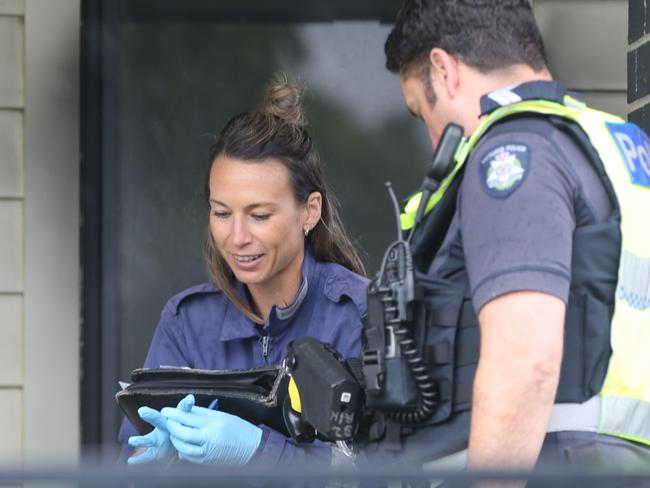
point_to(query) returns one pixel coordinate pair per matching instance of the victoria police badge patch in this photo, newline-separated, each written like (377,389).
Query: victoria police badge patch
(504,169)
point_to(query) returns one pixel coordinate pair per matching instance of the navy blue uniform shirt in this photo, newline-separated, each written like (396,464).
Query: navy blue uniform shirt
(201,328)
(527,186)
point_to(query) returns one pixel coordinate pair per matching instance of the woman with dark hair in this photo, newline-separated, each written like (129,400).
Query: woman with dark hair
(280,266)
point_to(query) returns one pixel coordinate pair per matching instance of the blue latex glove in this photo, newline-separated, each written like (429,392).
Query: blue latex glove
(210,436)
(157,442)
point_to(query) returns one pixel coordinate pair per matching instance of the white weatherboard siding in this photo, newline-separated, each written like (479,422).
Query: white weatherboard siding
(11,153)
(11,61)
(52,280)
(11,230)
(11,246)
(39,230)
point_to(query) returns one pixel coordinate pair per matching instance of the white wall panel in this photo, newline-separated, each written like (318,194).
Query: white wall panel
(11,426)
(586,42)
(11,246)
(613,102)
(11,340)
(12,7)
(11,153)
(52,31)
(11,61)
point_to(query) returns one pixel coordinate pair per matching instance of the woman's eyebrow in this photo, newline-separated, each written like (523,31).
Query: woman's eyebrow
(251,206)
(255,205)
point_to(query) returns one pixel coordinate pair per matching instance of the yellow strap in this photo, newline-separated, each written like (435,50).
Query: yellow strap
(294,396)
(407,218)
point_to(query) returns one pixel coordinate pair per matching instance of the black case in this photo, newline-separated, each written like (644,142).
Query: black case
(255,395)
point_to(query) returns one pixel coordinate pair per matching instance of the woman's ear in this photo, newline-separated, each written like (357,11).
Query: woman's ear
(444,70)
(313,207)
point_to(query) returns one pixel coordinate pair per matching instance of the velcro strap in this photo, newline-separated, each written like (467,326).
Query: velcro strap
(442,317)
(356,368)
(449,316)
(467,353)
(468,317)
(393,438)
(444,390)
(462,393)
(439,353)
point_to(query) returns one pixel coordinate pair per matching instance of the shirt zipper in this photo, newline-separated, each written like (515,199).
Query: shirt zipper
(265,347)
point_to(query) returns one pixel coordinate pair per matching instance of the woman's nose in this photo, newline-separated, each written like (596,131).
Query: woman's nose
(240,234)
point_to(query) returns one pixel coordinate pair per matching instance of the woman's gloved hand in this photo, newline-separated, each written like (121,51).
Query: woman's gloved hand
(210,436)
(157,443)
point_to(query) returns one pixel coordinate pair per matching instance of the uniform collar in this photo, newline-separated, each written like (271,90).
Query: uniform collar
(532,90)
(237,326)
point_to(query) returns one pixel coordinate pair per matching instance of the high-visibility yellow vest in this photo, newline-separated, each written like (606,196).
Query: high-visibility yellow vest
(624,151)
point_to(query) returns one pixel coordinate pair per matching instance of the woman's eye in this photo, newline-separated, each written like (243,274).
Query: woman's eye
(260,217)
(220,215)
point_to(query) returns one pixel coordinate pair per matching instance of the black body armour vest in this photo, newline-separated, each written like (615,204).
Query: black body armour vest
(445,332)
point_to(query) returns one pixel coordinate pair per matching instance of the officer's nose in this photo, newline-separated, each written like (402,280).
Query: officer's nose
(240,235)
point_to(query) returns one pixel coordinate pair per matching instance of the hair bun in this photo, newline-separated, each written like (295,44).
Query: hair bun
(284,100)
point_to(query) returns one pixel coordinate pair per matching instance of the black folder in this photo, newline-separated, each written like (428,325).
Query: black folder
(255,395)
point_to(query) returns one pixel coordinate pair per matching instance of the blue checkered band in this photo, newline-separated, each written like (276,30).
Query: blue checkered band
(634,282)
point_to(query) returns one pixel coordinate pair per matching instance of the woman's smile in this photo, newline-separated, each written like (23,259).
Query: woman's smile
(247,262)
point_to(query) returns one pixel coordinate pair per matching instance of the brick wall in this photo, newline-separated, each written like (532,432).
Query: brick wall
(638,64)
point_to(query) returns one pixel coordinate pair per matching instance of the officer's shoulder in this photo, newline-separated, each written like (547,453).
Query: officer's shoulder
(340,284)
(524,134)
(522,125)
(192,296)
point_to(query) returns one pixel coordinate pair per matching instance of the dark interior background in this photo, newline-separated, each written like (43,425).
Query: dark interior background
(173,74)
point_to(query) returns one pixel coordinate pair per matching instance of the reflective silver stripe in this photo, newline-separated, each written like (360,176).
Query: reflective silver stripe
(504,96)
(452,462)
(575,416)
(626,417)
(564,417)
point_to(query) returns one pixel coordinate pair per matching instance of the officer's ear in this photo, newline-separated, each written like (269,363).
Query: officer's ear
(444,71)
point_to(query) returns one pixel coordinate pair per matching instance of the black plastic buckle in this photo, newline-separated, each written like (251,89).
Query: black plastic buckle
(374,371)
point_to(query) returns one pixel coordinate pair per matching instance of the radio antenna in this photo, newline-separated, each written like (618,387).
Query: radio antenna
(393,199)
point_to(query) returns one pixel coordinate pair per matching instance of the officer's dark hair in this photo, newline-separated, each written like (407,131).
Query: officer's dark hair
(278,132)
(484,34)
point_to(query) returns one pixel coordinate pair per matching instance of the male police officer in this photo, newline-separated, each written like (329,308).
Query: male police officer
(535,240)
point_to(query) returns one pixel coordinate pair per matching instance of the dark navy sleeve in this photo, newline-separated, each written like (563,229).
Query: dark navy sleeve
(276,449)
(168,344)
(166,350)
(516,210)
(344,320)
(347,338)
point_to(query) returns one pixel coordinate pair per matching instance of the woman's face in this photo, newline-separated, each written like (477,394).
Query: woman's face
(256,223)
